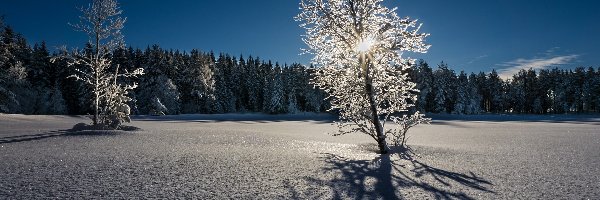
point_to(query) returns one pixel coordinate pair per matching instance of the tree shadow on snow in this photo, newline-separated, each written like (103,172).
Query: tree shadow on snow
(592,119)
(32,137)
(77,130)
(238,118)
(381,178)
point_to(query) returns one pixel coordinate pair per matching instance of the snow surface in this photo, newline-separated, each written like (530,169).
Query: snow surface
(253,156)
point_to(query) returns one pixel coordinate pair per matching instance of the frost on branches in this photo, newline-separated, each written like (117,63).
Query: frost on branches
(358,45)
(102,24)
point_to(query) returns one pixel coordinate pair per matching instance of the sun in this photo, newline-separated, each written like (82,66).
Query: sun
(365,45)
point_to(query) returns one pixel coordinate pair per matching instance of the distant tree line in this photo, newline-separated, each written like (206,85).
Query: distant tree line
(175,82)
(547,91)
(201,82)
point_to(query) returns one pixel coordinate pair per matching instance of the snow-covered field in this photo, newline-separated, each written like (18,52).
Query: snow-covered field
(283,157)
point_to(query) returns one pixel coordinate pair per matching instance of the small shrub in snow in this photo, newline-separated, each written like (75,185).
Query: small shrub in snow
(403,124)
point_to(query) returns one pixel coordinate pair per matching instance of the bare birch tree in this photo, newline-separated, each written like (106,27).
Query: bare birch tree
(102,24)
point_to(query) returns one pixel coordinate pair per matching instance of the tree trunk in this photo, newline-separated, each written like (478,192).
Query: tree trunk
(403,138)
(97,71)
(96,102)
(383,147)
(96,96)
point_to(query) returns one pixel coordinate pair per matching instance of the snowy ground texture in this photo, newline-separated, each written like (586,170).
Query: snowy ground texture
(283,157)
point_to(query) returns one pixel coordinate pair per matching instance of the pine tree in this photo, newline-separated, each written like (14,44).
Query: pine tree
(483,88)
(595,90)
(314,96)
(462,94)
(252,84)
(225,101)
(445,88)
(8,99)
(579,79)
(16,95)
(545,89)
(39,71)
(518,92)
(588,96)
(196,84)
(473,106)
(156,84)
(291,88)
(423,76)
(494,92)
(40,77)
(54,101)
(275,94)
(242,90)
(358,44)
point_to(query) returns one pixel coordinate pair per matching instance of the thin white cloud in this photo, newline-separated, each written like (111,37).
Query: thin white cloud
(477,59)
(515,66)
(551,51)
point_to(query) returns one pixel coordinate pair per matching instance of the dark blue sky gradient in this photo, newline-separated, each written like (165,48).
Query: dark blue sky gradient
(470,35)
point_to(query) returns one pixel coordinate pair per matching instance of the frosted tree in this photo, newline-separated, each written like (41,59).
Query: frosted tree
(8,99)
(358,45)
(223,94)
(474,106)
(292,88)
(11,79)
(444,85)
(494,85)
(589,97)
(156,84)
(15,93)
(102,23)
(423,76)
(462,94)
(196,84)
(274,101)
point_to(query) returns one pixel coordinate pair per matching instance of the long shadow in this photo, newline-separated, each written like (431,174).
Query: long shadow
(441,176)
(238,118)
(555,118)
(32,137)
(77,130)
(357,176)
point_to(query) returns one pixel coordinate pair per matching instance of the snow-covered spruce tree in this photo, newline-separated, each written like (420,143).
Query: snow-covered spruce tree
(423,76)
(474,106)
(462,94)
(358,46)
(55,103)
(8,99)
(156,84)
(16,95)
(274,100)
(225,99)
(196,84)
(444,82)
(10,79)
(101,22)
(494,85)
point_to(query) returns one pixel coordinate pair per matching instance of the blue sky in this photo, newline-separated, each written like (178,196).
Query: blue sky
(470,35)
